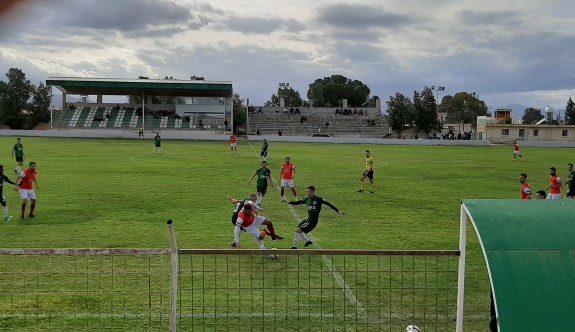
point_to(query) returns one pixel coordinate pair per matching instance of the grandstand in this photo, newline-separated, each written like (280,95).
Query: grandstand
(152,104)
(318,122)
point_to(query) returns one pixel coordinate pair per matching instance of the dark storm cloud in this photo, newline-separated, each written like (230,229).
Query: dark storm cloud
(348,16)
(258,25)
(125,15)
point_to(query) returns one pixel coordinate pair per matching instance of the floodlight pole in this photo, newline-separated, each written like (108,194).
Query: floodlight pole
(143,107)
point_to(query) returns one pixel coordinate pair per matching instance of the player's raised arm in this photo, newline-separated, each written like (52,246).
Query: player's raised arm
(232,200)
(332,207)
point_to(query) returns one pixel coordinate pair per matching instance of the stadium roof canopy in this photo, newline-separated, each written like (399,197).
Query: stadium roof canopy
(135,87)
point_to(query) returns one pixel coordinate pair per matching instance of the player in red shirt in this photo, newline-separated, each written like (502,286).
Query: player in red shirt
(234,149)
(554,184)
(25,180)
(516,151)
(286,176)
(525,188)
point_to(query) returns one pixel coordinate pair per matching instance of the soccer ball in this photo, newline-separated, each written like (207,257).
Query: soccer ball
(412,328)
(274,256)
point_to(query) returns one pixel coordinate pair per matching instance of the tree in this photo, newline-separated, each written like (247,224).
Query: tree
(40,107)
(291,98)
(401,113)
(240,112)
(14,96)
(570,112)
(463,107)
(329,91)
(425,108)
(532,115)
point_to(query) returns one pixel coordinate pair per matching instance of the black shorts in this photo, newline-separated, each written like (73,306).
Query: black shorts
(263,154)
(570,193)
(263,190)
(20,159)
(368,174)
(306,226)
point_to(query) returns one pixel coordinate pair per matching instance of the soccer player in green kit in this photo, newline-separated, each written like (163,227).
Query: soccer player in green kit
(18,150)
(314,204)
(157,143)
(264,174)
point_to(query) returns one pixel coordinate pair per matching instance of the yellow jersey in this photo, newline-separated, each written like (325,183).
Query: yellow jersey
(368,163)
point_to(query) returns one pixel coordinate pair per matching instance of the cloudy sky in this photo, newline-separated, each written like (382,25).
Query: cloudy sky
(508,52)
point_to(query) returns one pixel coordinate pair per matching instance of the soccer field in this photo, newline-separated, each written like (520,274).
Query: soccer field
(109,193)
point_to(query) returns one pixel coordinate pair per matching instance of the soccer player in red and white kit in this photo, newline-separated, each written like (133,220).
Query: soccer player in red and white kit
(26,178)
(287,174)
(516,151)
(554,184)
(525,188)
(233,147)
(249,221)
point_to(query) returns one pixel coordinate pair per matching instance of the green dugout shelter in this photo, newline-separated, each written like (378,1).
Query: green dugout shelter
(529,248)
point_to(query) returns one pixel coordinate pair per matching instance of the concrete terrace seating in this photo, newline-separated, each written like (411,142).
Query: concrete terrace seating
(344,126)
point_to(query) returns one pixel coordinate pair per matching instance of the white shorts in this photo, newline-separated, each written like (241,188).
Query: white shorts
(554,196)
(287,183)
(233,144)
(516,152)
(253,228)
(27,193)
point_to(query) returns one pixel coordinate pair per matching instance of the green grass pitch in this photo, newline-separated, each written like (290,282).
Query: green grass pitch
(110,193)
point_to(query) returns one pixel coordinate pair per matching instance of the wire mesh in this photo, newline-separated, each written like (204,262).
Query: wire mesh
(315,290)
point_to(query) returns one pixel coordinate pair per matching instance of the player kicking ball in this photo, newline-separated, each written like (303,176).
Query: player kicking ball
(248,221)
(314,204)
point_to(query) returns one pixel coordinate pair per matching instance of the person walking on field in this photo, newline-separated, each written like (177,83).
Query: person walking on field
(26,178)
(264,152)
(264,176)
(554,184)
(233,146)
(158,143)
(314,204)
(525,188)
(286,175)
(368,173)
(516,152)
(18,151)
(571,182)
(4,179)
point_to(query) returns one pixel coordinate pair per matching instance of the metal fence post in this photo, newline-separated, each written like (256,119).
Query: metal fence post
(174,283)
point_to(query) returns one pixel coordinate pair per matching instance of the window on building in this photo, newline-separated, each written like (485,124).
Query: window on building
(535,132)
(521,132)
(564,132)
(504,132)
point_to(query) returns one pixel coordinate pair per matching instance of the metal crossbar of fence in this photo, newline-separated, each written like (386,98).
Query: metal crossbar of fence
(217,290)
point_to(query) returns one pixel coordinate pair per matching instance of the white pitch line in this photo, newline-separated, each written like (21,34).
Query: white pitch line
(348,292)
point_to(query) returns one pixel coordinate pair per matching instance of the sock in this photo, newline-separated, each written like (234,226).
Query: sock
(271,230)
(261,243)
(262,199)
(296,238)
(304,237)
(372,186)
(5,208)
(32,207)
(259,200)
(282,192)
(18,169)
(23,208)
(361,185)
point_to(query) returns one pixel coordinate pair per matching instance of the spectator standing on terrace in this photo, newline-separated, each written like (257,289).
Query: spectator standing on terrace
(570,181)
(525,188)
(233,146)
(226,125)
(157,143)
(141,133)
(554,184)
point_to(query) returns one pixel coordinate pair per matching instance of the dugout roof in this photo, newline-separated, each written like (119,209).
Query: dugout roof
(529,248)
(135,87)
